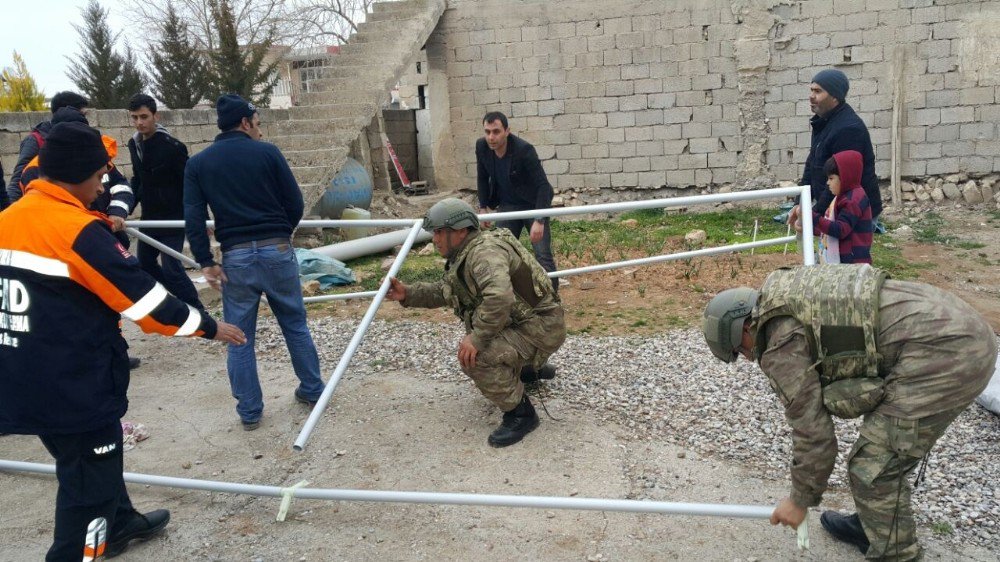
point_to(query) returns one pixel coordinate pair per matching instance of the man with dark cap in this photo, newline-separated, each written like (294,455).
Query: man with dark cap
(836,128)
(64,373)
(256,204)
(31,143)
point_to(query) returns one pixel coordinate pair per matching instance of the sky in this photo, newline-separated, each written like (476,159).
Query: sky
(44,37)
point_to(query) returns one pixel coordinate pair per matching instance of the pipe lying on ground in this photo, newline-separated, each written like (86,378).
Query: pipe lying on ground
(439,498)
(351,249)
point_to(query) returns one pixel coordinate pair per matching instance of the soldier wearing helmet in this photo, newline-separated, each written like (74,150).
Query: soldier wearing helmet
(843,340)
(513,317)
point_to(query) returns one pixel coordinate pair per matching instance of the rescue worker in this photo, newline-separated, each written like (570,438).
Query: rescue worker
(64,284)
(512,316)
(842,340)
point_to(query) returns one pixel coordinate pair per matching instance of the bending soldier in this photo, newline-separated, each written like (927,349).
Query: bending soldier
(512,315)
(841,340)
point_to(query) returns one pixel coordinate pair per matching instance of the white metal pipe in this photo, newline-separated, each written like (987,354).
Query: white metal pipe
(340,297)
(673,257)
(439,498)
(350,249)
(359,334)
(805,211)
(163,247)
(332,223)
(647,204)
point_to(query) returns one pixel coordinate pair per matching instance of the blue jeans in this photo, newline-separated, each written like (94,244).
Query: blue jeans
(543,249)
(271,270)
(171,273)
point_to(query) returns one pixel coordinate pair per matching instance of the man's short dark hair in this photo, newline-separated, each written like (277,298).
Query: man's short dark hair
(495,116)
(68,99)
(142,100)
(831,168)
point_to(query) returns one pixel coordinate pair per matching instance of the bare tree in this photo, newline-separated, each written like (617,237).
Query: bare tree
(254,19)
(325,22)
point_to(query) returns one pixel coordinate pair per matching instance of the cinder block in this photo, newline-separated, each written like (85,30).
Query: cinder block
(680,178)
(582,166)
(958,148)
(600,43)
(659,101)
(588,28)
(706,50)
(941,65)
(978,131)
(620,88)
(591,89)
(570,122)
(677,115)
(554,167)
(663,70)
(690,98)
(707,114)
(677,52)
(866,53)
(561,30)
(846,38)
(652,179)
(573,45)
(621,119)
(638,133)
(963,114)
(633,103)
(649,148)
(976,164)
(531,33)
(678,147)
(636,71)
(668,162)
(577,106)
(594,120)
(625,179)
(696,129)
(940,98)
(668,132)
(913,167)
(880,5)
(637,164)
(621,149)
(646,55)
(605,104)
(827,24)
(703,145)
(925,150)
(828,57)
(632,40)
(648,85)
(947,30)
(648,117)
(692,161)
(594,150)
(523,109)
(977,96)
(813,42)
(617,25)
(584,60)
(611,135)
(545,47)
(555,137)
(707,82)
(939,133)
(939,166)
(582,136)
(929,14)
(931,116)
(610,166)
(933,49)
(472,53)
(693,67)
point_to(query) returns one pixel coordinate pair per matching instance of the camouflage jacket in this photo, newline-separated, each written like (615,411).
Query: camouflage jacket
(937,354)
(491,282)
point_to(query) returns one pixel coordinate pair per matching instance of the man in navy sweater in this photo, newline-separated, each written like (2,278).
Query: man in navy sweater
(256,203)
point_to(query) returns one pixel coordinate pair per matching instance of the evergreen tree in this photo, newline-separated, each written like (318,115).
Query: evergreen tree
(19,91)
(240,70)
(131,81)
(97,67)
(179,73)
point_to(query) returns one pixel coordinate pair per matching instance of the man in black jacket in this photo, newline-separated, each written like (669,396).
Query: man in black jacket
(835,128)
(158,161)
(510,178)
(34,141)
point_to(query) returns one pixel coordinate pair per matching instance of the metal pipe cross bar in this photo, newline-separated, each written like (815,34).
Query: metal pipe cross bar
(162,247)
(340,297)
(359,334)
(438,498)
(305,223)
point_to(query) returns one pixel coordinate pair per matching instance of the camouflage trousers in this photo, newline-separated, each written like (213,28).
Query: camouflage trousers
(887,450)
(498,367)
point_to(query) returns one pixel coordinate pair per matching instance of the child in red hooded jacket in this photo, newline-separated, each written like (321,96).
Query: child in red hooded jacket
(845,230)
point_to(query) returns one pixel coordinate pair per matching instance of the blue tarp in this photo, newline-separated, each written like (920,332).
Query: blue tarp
(328,271)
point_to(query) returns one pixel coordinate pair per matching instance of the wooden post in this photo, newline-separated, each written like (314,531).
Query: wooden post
(898,63)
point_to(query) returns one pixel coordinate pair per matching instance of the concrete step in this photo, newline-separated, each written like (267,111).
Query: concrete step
(309,126)
(326,156)
(376,96)
(312,141)
(398,26)
(375,71)
(402,5)
(397,14)
(310,178)
(334,111)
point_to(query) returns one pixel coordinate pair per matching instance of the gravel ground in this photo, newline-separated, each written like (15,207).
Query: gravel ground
(670,388)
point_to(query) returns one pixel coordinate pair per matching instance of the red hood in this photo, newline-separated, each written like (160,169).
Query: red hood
(850,164)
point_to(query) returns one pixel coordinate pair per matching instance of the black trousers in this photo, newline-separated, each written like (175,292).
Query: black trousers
(89,470)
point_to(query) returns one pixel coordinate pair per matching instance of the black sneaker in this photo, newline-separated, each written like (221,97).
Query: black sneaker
(845,528)
(133,363)
(301,399)
(140,527)
(250,425)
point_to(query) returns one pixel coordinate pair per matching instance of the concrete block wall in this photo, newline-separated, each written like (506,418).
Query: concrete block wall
(194,127)
(401,128)
(637,95)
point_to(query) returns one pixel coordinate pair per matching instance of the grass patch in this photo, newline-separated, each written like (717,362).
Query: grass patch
(942,528)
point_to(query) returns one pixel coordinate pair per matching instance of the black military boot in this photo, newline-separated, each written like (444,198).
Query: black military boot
(516,423)
(140,526)
(529,374)
(845,528)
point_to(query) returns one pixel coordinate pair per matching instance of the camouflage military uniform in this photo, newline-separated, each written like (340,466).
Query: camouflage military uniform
(937,355)
(508,306)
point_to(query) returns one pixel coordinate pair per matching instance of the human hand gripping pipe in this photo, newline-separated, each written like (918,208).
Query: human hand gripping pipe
(345,359)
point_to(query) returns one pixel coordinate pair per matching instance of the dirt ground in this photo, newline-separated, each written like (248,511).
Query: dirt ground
(399,431)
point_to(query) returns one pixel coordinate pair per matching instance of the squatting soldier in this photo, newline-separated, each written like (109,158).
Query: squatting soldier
(512,315)
(842,340)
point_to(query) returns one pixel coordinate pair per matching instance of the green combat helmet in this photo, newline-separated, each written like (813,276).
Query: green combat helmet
(451,213)
(723,321)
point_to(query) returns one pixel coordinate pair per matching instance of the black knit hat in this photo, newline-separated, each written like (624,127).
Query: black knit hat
(72,153)
(231,109)
(68,99)
(834,82)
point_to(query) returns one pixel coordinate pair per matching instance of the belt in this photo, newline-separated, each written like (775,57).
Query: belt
(259,243)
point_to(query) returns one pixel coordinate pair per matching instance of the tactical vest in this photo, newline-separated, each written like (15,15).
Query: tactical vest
(530,283)
(838,306)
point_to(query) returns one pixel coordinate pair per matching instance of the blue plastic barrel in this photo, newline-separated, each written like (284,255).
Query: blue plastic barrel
(351,187)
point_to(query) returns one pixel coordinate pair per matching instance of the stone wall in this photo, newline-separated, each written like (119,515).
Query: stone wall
(667,95)
(194,127)
(401,128)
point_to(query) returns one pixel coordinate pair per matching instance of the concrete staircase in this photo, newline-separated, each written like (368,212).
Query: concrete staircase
(354,85)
